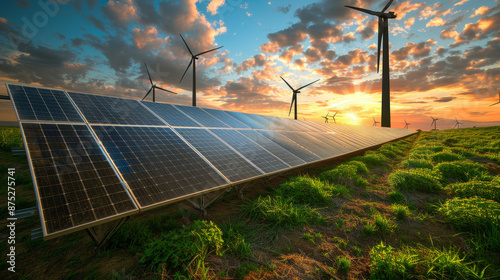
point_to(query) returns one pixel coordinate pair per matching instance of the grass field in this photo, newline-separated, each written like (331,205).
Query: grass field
(425,207)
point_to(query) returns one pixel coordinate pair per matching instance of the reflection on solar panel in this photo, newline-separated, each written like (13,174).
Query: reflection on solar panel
(156,163)
(125,155)
(246,120)
(76,184)
(291,146)
(43,104)
(201,116)
(226,118)
(171,115)
(112,110)
(227,161)
(272,147)
(255,153)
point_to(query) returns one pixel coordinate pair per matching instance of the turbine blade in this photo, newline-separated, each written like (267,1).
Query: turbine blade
(307,85)
(147,93)
(495,104)
(186,45)
(287,83)
(364,10)
(209,51)
(293,100)
(387,6)
(327,113)
(380,34)
(334,114)
(165,89)
(148,74)
(191,61)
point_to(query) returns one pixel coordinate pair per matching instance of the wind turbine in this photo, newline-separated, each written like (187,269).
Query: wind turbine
(294,97)
(375,122)
(457,124)
(326,117)
(406,125)
(383,31)
(193,61)
(154,86)
(498,98)
(333,117)
(434,122)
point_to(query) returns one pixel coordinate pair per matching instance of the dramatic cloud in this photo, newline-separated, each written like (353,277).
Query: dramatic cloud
(214,5)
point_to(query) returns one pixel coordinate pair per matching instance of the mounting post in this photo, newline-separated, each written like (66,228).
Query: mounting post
(100,234)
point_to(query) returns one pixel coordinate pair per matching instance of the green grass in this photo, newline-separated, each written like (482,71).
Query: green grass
(461,171)
(360,166)
(132,235)
(280,212)
(396,197)
(310,191)
(343,264)
(384,225)
(400,211)
(372,159)
(445,156)
(345,175)
(414,163)
(484,189)
(236,237)
(415,179)
(10,138)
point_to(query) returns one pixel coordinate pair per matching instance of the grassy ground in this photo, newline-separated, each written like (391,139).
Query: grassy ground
(426,207)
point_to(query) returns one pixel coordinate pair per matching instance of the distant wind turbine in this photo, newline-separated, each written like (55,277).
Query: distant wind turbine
(434,122)
(193,61)
(406,125)
(154,86)
(333,117)
(294,97)
(457,124)
(326,117)
(498,98)
(383,31)
(375,122)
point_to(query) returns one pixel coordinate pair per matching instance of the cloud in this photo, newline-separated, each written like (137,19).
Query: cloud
(284,9)
(483,10)
(418,51)
(409,23)
(461,2)
(483,28)
(214,5)
(97,22)
(119,12)
(445,99)
(148,38)
(23,3)
(437,21)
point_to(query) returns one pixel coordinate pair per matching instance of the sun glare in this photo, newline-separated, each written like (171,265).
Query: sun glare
(353,117)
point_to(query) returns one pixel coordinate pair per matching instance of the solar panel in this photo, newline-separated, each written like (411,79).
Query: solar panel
(201,116)
(290,146)
(231,164)
(157,164)
(75,183)
(246,120)
(313,144)
(40,104)
(111,110)
(264,160)
(171,115)
(272,147)
(226,118)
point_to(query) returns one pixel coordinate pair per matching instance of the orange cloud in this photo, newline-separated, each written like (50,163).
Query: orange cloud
(270,47)
(148,38)
(409,22)
(120,12)
(214,5)
(448,34)
(437,21)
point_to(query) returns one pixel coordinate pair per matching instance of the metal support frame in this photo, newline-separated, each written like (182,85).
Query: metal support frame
(100,234)
(202,204)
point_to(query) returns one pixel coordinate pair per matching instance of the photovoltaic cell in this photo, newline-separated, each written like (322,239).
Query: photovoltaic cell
(156,163)
(290,146)
(246,120)
(227,161)
(111,110)
(40,104)
(313,144)
(226,118)
(76,184)
(272,147)
(201,116)
(253,152)
(170,114)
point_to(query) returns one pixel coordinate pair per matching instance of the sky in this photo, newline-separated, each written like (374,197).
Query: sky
(444,55)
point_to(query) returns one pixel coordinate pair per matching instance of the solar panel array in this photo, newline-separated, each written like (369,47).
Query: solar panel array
(97,158)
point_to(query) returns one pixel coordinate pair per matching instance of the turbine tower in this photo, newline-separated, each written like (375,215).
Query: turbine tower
(333,117)
(194,57)
(154,86)
(326,117)
(383,31)
(498,98)
(457,124)
(434,122)
(406,125)
(294,96)
(375,122)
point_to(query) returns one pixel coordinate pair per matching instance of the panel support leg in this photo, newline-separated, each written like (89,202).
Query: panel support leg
(100,234)
(202,203)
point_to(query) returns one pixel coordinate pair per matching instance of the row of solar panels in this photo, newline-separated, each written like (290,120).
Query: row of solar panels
(97,158)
